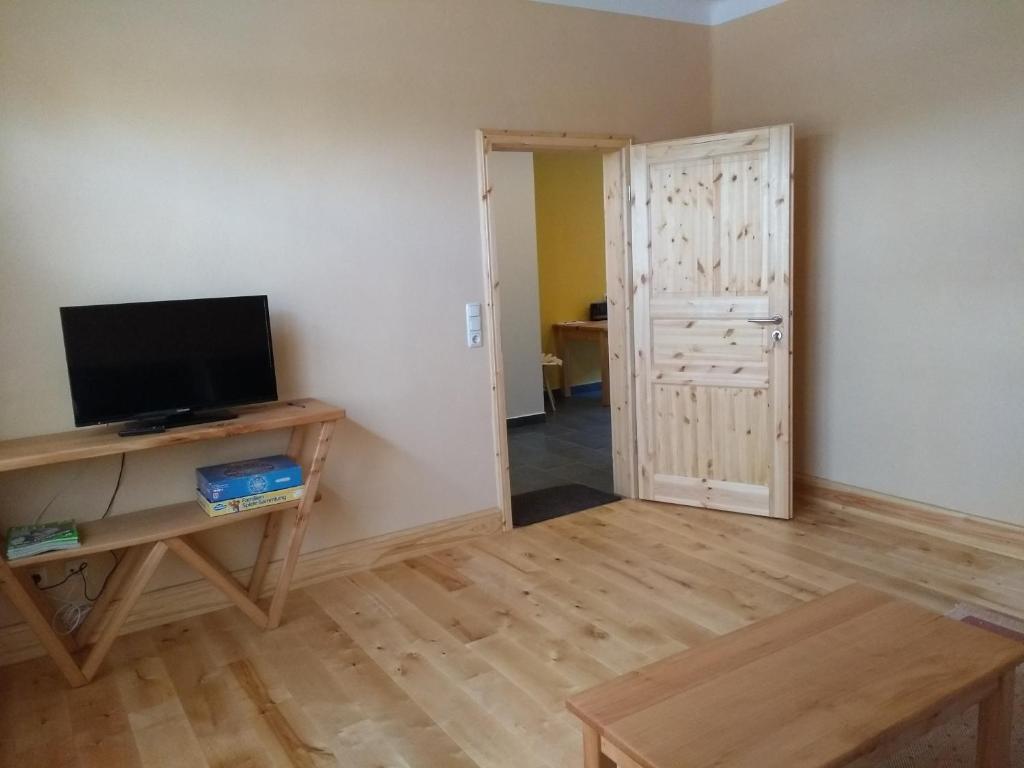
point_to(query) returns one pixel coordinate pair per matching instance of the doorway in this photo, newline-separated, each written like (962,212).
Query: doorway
(549,235)
(562,435)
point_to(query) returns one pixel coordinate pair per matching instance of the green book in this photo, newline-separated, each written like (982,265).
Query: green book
(28,540)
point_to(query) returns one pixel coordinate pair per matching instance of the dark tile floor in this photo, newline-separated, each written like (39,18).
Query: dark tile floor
(574,445)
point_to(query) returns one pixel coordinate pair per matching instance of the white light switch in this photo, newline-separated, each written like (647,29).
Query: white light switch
(474,334)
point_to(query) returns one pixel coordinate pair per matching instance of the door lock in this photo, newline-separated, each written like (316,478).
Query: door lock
(777,335)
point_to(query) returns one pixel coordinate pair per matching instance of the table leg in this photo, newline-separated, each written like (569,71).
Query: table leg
(995,718)
(266,550)
(35,611)
(560,352)
(298,531)
(185,548)
(591,747)
(132,588)
(89,629)
(273,524)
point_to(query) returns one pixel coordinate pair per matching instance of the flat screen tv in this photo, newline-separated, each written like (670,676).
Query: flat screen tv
(168,363)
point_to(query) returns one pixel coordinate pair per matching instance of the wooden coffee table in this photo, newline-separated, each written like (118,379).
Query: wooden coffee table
(853,673)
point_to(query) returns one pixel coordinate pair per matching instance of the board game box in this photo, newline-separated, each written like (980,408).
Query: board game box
(236,479)
(243,503)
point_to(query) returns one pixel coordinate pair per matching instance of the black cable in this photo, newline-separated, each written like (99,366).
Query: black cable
(117,560)
(80,570)
(103,586)
(59,493)
(66,579)
(117,487)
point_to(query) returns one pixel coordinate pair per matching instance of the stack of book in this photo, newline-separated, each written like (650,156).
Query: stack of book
(238,486)
(28,540)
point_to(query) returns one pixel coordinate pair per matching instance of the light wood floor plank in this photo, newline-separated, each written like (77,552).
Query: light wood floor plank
(742,559)
(647,625)
(158,723)
(100,730)
(34,712)
(395,649)
(561,609)
(462,658)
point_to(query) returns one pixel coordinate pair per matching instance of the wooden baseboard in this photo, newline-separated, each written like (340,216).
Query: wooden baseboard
(997,536)
(17,642)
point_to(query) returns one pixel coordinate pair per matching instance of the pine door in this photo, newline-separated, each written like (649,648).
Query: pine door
(712,276)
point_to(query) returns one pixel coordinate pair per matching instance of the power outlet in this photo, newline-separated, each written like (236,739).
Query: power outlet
(53,573)
(45,575)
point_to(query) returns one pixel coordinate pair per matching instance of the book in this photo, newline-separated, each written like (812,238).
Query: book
(253,501)
(236,479)
(28,540)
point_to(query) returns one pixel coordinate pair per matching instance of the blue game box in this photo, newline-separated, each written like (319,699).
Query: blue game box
(245,478)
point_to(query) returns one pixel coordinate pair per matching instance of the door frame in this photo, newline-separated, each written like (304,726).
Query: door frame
(619,287)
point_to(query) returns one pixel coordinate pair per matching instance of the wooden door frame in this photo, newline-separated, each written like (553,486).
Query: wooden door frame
(618,280)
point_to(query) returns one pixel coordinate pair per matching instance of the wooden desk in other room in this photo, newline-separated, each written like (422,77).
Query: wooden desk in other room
(582,330)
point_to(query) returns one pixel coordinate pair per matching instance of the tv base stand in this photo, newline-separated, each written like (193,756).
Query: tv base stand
(143,538)
(163,423)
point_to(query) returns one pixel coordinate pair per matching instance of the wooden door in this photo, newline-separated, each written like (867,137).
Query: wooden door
(711,219)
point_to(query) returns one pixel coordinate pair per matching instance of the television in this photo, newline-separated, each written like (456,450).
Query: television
(168,363)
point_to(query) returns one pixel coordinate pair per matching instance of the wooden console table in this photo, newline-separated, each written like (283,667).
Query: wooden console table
(582,330)
(142,538)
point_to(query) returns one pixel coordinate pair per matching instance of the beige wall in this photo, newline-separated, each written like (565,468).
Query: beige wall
(321,152)
(513,212)
(909,118)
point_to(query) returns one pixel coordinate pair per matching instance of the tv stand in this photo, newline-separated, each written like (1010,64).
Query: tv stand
(145,536)
(160,424)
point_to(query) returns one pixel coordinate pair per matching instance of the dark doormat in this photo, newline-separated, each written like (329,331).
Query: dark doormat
(535,506)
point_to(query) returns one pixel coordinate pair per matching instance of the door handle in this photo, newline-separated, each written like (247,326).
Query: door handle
(773,320)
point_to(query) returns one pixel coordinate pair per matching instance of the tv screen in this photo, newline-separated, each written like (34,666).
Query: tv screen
(155,358)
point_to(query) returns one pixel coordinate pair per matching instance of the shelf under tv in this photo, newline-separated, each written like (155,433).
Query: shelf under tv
(144,527)
(142,538)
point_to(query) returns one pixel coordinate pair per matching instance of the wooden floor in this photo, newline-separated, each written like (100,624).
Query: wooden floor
(465,657)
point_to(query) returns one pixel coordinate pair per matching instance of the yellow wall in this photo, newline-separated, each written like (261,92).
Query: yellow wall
(570,248)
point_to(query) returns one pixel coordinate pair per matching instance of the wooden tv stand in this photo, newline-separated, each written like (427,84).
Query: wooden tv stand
(141,539)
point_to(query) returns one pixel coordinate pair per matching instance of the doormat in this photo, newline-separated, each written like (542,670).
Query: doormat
(547,503)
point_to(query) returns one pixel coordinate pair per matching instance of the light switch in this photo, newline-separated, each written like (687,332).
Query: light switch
(474,333)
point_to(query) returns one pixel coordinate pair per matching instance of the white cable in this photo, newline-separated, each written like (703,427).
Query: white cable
(71,613)
(70,616)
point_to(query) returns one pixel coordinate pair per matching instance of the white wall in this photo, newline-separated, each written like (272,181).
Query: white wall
(515,238)
(320,152)
(909,229)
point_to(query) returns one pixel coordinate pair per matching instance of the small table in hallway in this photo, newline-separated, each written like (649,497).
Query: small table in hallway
(582,330)
(846,675)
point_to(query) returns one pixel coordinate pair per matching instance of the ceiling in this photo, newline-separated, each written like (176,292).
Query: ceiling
(708,12)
